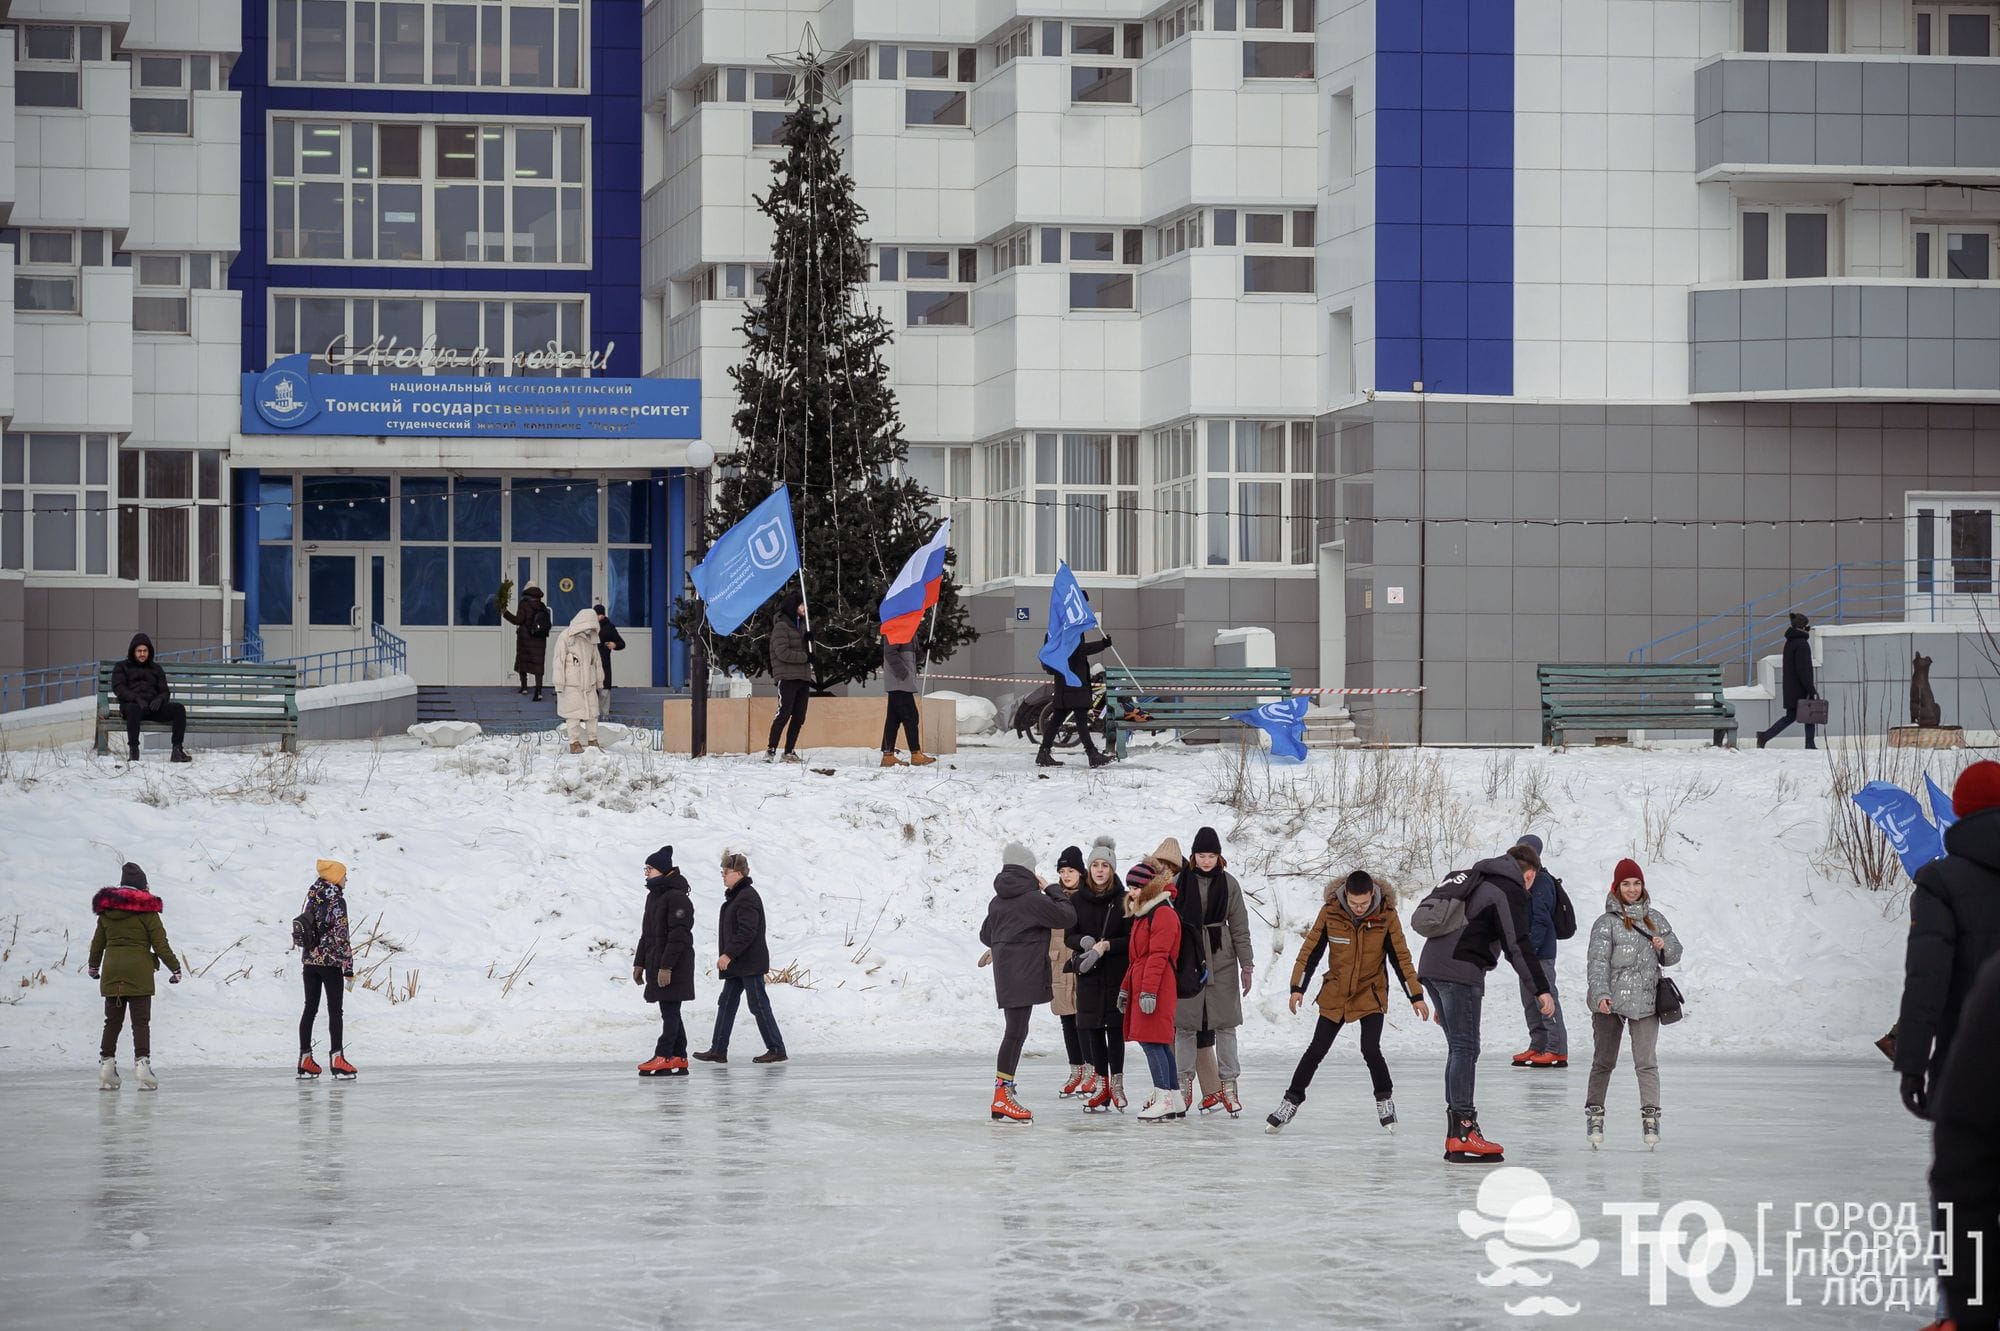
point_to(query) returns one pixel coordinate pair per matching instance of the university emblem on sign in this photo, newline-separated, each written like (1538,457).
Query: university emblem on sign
(769,544)
(284,395)
(566,585)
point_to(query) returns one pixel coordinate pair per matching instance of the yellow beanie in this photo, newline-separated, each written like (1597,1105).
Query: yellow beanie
(334,872)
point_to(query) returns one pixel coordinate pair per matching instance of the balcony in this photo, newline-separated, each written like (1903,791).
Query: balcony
(1866,119)
(1845,338)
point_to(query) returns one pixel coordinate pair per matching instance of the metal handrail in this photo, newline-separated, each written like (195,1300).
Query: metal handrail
(21,689)
(385,654)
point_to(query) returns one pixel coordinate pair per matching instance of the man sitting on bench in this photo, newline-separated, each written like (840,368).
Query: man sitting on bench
(140,685)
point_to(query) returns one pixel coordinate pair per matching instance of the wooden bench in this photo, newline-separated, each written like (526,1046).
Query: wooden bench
(221,697)
(1186,698)
(1614,697)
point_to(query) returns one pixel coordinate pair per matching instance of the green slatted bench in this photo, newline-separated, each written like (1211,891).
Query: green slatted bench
(1188,698)
(1614,697)
(221,697)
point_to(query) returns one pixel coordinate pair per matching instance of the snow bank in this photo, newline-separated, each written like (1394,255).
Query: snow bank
(502,882)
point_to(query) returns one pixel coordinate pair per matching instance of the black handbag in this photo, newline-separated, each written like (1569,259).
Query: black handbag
(1814,711)
(1667,1002)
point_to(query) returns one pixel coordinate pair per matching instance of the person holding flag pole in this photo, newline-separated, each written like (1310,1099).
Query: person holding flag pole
(904,608)
(740,572)
(1065,655)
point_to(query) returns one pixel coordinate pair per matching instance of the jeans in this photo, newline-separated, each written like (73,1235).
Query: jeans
(328,979)
(1322,1041)
(793,695)
(1052,720)
(1103,1049)
(902,713)
(1605,1030)
(673,1031)
(1458,1012)
(169,713)
(1545,1034)
(1012,1039)
(114,1021)
(1160,1060)
(1228,1065)
(1783,724)
(734,989)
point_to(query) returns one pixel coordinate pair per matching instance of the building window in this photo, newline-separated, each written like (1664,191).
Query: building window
(55,503)
(49,59)
(1101,275)
(1181,234)
(447,43)
(160,298)
(1340,141)
(1007,493)
(407,192)
(1085,507)
(1957,29)
(939,283)
(1274,239)
(441,335)
(170,516)
(732,281)
(1174,481)
(1177,23)
(1259,480)
(1016,251)
(1955,251)
(1016,45)
(1787,243)
(945,472)
(1801,27)
(163,88)
(1104,69)
(936,77)
(769,93)
(48,268)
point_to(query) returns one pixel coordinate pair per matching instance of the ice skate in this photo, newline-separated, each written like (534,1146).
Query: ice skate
(1100,1101)
(1593,1125)
(1074,1085)
(308,1069)
(1006,1109)
(1548,1059)
(342,1069)
(1232,1104)
(107,1074)
(1159,1107)
(1187,1091)
(677,1067)
(1649,1124)
(142,1072)
(1463,1144)
(1526,1058)
(1091,1085)
(656,1066)
(1385,1112)
(1118,1100)
(1275,1121)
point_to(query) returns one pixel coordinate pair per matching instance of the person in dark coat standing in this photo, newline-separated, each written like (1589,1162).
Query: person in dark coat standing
(1798,681)
(139,683)
(1548,1037)
(1018,920)
(664,961)
(608,641)
(531,638)
(1073,700)
(1965,1167)
(899,680)
(1098,941)
(745,959)
(791,667)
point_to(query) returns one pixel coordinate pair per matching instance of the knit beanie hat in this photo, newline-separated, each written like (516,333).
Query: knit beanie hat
(1071,858)
(1169,852)
(1630,869)
(1532,842)
(1105,849)
(132,876)
(737,860)
(1800,622)
(1977,788)
(333,871)
(1016,853)
(1206,842)
(662,859)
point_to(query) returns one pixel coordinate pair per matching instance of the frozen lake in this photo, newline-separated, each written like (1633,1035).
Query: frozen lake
(867,1193)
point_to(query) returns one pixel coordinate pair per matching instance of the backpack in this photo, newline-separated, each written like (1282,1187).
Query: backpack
(1443,911)
(539,626)
(1190,971)
(306,931)
(1564,913)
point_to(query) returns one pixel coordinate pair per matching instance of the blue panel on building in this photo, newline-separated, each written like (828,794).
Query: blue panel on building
(1444,212)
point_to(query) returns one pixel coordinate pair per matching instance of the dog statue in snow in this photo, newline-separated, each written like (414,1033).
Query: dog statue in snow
(1924,709)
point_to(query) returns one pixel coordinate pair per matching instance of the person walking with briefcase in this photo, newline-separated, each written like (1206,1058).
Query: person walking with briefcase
(1801,693)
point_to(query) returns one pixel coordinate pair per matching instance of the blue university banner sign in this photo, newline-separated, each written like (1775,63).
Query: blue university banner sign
(748,562)
(289,398)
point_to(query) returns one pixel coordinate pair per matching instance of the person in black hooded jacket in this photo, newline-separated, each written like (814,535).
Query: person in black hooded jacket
(1965,1168)
(1799,683)
(139,683)
(664,961)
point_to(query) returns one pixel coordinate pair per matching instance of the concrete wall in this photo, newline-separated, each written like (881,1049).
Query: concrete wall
(1863,671)
(1886,338)
(61,625)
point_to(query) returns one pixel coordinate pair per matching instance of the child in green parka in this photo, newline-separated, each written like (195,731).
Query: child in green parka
(129,945)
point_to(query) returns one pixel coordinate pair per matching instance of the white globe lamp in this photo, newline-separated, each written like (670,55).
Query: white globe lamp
(700,455)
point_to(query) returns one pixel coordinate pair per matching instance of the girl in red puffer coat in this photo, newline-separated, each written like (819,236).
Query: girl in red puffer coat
(1147,996)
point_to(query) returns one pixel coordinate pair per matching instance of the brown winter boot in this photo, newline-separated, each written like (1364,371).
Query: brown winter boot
(918,758)
(889,759)
(576,746)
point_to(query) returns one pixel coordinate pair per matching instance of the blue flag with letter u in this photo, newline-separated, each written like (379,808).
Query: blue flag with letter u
(1069,616)
(1941,811)
(1284,722)
(749,562)
(1911,835)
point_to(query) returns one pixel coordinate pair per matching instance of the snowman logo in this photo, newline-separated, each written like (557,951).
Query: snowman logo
(1527,1230)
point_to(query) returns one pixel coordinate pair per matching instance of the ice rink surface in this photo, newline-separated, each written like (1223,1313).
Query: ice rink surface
(872,1193)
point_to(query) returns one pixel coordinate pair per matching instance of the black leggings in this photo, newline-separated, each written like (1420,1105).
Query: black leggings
(329,979)
(673,1032)
(1016,1037)
(1104,1049)
(1071,1046)
(1322,1041)
(903,713)
(793,694)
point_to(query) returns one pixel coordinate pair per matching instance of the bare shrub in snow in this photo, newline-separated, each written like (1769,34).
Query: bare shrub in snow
(1855,848)
(275,778)
(799,977)
(1660,810)
(1535,791)
(1499,775)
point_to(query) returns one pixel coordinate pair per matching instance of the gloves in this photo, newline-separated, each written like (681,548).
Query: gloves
(638,976)
(1246,979)
(1085,943)
(986,957)
(1123,999)
(93,972)
(663,978)
(1914,1099)
(175,978)
(1147,1002)
(1085,960)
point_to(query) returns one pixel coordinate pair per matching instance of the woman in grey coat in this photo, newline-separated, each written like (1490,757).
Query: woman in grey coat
(1208,896)
(1629,945)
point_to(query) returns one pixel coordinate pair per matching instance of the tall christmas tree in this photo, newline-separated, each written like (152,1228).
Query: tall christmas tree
(816,413)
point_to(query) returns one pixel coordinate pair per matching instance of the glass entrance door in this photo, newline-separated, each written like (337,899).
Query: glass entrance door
(342,593)
(569,578)
(1950,569)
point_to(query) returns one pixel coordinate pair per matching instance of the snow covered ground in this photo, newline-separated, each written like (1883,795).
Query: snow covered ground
(501,884)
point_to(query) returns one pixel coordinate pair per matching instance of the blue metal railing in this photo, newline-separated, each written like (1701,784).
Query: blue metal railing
(384,654)
(1840,594)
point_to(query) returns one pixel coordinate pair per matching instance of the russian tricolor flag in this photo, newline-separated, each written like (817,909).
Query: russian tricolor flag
(915,589)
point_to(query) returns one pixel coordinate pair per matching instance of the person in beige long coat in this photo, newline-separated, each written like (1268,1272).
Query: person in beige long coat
(577,673)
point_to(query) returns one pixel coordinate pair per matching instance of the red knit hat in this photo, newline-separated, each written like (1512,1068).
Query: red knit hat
(1978,787)
(1630,869)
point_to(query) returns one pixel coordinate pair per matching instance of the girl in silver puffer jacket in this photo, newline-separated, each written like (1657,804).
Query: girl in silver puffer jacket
(1629,945)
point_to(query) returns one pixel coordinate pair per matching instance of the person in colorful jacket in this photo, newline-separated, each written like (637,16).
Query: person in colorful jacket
(1148,996)
(1362,939)
(129,945)
(1629,944)
(328,957)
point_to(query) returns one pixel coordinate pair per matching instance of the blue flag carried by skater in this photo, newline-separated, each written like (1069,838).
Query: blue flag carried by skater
(1069,616)
(1284,722)
(1911,835)
(1941,811)
(749,562)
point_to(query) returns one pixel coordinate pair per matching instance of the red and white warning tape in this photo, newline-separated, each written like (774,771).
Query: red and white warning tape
(1177,688)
